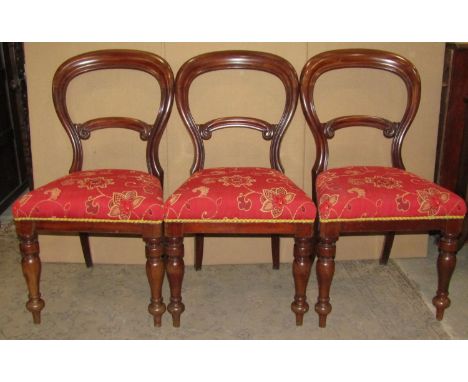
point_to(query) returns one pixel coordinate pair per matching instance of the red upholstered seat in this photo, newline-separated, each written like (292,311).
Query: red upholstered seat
(98,195)
(250,194)
(362,193)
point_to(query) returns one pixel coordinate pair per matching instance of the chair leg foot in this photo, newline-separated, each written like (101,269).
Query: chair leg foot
(322,320)
(35,306)
(440,312)
(36,317)
(299,311)
(157,309)
(446,263)
(323,308)
(175,273)
(301,272)
(176,311)
(157,315)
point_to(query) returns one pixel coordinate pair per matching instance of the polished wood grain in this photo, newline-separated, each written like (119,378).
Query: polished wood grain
(151,133)
(272,132)
(322,131)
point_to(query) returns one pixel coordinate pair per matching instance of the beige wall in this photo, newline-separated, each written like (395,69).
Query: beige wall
(228,93)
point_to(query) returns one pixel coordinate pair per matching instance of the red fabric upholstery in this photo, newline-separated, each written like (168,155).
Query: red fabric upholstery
(377,193)
(101,195)
(245,193)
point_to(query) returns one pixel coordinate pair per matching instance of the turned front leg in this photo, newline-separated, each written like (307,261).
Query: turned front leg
(445,266)
(175,273)
(325,269)
(31,265)
(301,272)
(155,272)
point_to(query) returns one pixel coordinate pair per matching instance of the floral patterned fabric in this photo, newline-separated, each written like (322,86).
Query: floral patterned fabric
(244,194)
(99,195)
(380,193)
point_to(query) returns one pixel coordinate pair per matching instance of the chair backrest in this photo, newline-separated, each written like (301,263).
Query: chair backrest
(236,59)
(115,59)
(358,58)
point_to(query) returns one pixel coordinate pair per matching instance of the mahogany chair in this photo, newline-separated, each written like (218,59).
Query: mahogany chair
(111,201)
(237,200)
(375,199)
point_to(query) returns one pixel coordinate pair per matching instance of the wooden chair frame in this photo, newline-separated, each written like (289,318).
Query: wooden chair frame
(176,230)
(329,231)
(28,228)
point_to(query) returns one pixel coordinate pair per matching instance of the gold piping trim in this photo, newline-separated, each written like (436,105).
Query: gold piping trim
(226,220)
(392,218)
(89,220)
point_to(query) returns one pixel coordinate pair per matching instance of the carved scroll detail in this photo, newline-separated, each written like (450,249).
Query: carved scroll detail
(83,132)
(390,131)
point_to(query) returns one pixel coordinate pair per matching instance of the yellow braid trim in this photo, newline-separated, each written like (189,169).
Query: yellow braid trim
(88,220)
(392,219)
(237,221)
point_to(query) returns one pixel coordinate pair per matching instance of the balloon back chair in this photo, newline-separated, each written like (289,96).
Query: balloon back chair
(375,199)
(238,200)
(111,201)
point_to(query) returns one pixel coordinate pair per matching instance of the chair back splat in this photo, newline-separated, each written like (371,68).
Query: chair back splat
(250,60)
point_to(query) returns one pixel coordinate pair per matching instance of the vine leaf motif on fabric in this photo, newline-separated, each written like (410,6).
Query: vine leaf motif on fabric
(244,193)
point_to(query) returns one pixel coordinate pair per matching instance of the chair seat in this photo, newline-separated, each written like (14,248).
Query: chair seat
(240,194)
(99,195)
(361,193)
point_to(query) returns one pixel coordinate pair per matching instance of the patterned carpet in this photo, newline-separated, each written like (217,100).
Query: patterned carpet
(222,302)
